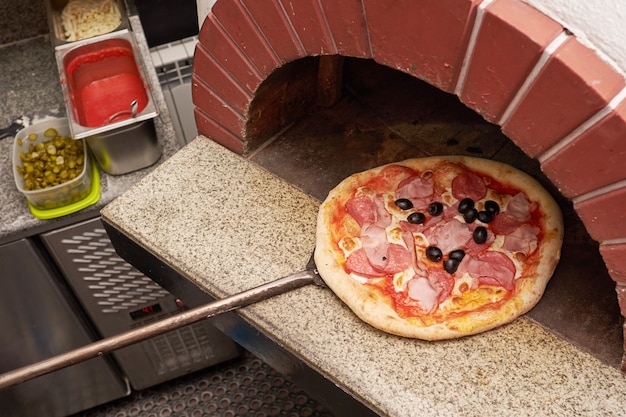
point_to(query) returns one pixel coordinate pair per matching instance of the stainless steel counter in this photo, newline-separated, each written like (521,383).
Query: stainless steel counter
(217,223)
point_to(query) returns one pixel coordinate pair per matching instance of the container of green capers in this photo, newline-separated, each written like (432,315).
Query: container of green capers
(50,168)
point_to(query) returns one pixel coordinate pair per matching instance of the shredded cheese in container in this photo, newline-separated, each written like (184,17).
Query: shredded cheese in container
(83,19)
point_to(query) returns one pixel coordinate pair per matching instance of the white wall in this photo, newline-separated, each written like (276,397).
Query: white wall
(600,24)
(204,7)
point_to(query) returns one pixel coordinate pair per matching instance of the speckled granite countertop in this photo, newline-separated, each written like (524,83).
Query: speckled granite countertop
(228,225)
(29,85)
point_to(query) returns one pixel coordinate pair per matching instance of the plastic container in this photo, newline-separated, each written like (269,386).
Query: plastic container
(56,196)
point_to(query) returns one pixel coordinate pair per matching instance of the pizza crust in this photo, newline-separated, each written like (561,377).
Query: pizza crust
(375,308)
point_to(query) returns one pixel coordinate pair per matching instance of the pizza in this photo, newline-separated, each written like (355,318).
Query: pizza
(439,247)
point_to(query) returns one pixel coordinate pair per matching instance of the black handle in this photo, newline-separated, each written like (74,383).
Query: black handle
(11,130)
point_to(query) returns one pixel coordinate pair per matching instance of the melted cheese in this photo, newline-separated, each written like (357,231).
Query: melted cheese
(401,279)
(349,245)
(463,285)
(473,299)
(359,278)
(448,199)
(394,235)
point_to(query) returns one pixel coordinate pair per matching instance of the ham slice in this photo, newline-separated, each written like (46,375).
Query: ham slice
(395,259)
(519,207)
(423,292)
(409,242)
(366,209)
(468,185)
(449,235)
(358,263)
(517,213)
(415,187)
(375,244)
(431,291)
(442,281)
(490,268)
(398,259)
(503,224)
(377,256)
(523,239)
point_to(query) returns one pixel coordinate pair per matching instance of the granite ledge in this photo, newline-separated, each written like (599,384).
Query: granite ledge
(228,225)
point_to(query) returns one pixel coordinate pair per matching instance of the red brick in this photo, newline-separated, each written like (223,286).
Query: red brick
(212,72)
(348,27)
(615,259)
(308,20)
(574,85)
(604,216)
(593,160)
(208,127)
(273,23)
(205,99)
(226,52)
(510,42)
(426,39)
(236,21)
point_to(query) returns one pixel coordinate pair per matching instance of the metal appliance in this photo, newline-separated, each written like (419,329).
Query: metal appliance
(117,297)
(40,318)
(67,288)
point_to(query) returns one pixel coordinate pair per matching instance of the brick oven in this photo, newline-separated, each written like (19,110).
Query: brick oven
(551,95)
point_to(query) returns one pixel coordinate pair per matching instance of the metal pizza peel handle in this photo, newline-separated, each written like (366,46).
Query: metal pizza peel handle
(110,344)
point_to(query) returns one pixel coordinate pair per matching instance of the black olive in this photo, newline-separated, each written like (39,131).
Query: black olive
(434,253)
(466,204)
(485,217)
(470,215)
(492,207)
(416,218)
(435,208)
(480,235)
(404,203)
(451,265)
(457,255)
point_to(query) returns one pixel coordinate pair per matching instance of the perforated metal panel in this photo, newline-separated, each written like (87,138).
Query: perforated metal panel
(113,283)
(117,297)
(179,349)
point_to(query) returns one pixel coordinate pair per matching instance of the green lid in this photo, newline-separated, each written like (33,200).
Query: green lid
(92,198)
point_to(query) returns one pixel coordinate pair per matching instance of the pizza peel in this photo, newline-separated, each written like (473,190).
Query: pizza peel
(309,275)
